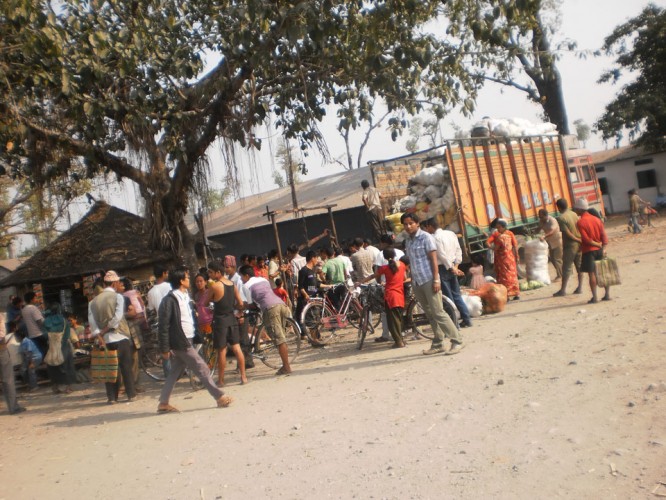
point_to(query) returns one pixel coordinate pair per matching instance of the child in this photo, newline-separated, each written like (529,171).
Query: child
(32,357)
(394,294)
(476,273)
(281,292)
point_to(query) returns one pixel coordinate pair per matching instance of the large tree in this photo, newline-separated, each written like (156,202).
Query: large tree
(640,106)
(121,85)
(510,42)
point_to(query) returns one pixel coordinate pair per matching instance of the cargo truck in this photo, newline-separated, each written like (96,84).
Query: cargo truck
(508,177)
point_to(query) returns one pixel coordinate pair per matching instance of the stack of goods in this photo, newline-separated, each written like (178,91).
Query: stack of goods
(430,194)
(474,305)
(536,261)
(493,296)
(511,127)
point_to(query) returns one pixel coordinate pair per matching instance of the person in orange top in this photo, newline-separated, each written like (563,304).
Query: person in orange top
(281,292)
(593,245)
(394,294)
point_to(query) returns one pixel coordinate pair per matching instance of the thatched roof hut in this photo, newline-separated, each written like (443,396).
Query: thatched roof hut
(105,238)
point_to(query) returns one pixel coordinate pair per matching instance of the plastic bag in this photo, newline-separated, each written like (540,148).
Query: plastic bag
(536,261)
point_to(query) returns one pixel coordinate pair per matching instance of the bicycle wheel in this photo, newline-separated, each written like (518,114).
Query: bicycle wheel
(418,321)
(355,313)
(151,363)
(268,351)
(316,320)
(363,327)
(209,354)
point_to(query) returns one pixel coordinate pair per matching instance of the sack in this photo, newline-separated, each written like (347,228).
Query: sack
(607,272)
(104,365)
(54,356)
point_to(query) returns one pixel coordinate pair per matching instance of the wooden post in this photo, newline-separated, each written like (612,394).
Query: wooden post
(330,216)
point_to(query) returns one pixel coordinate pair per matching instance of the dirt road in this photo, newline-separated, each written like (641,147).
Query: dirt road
(553,398)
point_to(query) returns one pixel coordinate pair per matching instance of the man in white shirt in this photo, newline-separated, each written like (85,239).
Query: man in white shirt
(159,289)
(176,331)
(449,256)
(106,316)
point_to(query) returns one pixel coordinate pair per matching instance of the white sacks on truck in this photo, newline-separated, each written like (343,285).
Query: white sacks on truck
(536,261)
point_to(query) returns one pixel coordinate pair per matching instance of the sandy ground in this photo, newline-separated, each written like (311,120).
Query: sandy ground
(553,398)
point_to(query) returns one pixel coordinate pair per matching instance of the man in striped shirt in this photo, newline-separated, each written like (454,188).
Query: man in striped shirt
(421,249)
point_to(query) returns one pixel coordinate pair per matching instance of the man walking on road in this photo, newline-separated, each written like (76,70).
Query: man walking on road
(570,246)
(421,250)
(176,331)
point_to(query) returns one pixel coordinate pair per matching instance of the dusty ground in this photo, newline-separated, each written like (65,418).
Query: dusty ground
(552,398)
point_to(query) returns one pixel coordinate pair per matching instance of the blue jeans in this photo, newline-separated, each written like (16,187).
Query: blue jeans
(451,288)
(29,375)
(634,224)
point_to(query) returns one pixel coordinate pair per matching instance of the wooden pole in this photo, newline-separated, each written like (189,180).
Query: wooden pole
(330,216)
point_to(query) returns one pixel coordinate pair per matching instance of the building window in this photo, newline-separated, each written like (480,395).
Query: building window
(600,169)
(573,175)
(643,161)
(646,179)
(603,185)
(586,174)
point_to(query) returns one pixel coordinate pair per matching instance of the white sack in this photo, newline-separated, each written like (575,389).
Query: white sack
(474,305)
(536,261)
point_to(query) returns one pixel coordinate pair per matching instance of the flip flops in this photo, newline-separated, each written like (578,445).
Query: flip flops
(168,409)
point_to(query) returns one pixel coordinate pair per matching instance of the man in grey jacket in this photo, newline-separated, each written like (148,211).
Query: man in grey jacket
(176,330)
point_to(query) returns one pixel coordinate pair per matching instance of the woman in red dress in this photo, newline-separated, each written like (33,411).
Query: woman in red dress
(505,248)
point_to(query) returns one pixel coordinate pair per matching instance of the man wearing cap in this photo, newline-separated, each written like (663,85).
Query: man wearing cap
(106,316)
(593,245)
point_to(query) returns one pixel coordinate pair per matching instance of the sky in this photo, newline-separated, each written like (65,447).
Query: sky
(587,22)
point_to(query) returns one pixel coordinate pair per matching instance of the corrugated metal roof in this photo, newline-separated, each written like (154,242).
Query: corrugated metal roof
(619,154)
(342,189)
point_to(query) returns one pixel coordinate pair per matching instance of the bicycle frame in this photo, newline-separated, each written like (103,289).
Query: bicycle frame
(339,319)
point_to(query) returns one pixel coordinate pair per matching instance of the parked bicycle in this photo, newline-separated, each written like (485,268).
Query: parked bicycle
(414,319)
(322,320)
(262,346)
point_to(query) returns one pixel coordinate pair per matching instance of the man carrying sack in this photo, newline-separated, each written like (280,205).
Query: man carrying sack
(106,315)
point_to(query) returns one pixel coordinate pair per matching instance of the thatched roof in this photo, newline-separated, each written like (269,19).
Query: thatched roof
(105,238)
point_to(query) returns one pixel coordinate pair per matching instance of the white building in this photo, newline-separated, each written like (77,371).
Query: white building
(622,169)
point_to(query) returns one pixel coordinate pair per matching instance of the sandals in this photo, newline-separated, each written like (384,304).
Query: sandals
(224,401)
(282,371)
(169,409)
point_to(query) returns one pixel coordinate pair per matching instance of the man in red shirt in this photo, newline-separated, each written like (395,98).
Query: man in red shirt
(593,245)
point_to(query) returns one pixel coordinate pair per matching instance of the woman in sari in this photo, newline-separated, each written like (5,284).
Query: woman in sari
(505,248)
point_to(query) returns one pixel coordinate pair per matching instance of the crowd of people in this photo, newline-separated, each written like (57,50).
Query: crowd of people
(210,302)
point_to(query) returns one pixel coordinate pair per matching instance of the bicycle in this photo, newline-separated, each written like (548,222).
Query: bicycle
(265,349)
(321,319)
(372,299)
(416,319)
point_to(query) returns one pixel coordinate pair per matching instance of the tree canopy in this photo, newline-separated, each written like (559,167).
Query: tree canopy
(123,87)
(640,106)
(502,37)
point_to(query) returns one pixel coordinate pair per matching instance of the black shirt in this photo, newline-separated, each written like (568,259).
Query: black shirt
(307,281)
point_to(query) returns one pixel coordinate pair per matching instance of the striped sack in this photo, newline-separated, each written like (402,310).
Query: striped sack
(104,365)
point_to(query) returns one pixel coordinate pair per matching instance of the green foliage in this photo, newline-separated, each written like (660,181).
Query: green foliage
(120,86)
(509,42)
(640,106)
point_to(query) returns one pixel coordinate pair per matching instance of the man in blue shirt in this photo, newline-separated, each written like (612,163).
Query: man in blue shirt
(421,249)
